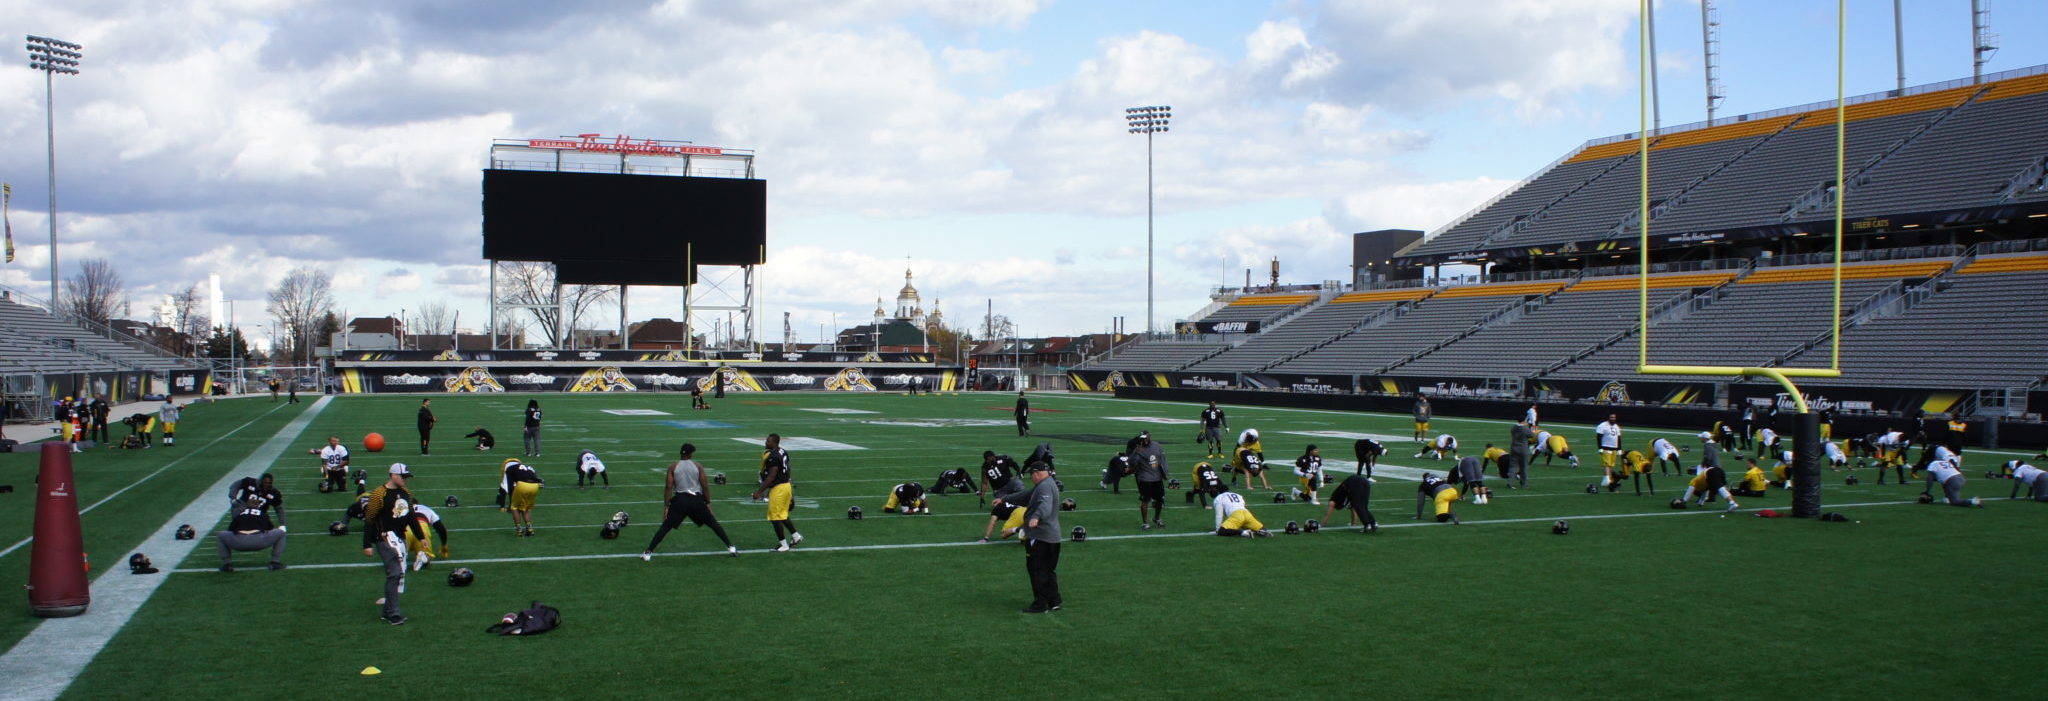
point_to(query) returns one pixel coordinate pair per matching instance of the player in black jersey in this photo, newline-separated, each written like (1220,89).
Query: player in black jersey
(1355,494)
(1434,490)
(1368,452)
(955,480)
(907,498)
(1214,423)
(997,473)
(775,484)
(1206,484)
(1113,474)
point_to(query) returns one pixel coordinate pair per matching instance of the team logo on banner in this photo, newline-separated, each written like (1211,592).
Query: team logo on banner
(850,380)
(870,357)
(1116,379)
(1613,391)
(672,356)
(447,355)
(603,379)
(475,378)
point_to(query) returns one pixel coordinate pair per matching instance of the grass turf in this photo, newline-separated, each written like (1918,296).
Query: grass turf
(1498,606)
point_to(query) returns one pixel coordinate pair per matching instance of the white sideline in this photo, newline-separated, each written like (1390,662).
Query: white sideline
(45,662)
(958,543)
(145,478)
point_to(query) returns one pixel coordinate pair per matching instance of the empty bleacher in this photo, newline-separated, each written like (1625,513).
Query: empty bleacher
(1153,355)
(1982,330)
(1754,321)
(1260,308)
(1432,320)
(42,344)
(1583,314)
(1591,212)
(1965,162)
(1541,190)
(1341,314)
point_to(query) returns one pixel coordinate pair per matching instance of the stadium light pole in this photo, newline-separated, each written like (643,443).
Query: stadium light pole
(52,56)
(1148,121)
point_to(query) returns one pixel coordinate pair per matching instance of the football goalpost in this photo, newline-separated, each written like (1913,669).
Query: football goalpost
(1806,449)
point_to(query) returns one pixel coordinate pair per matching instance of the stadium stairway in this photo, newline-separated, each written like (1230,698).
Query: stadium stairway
(1430,323)
(1965,331)
(1310,327)
(1554,327)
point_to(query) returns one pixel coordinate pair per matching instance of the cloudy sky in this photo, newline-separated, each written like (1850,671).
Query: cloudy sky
(982,138)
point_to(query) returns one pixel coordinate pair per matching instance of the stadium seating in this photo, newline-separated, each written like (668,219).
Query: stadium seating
(43,344)
(1965,162)
(1153,355)
(1310,328)
(1436,319)
(1963,336)
(1582,315)
(1260,308)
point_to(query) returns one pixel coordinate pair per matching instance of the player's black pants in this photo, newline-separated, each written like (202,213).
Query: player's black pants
(692,507)
(336,480)
(1042,562)
(425,435)
(1023,425)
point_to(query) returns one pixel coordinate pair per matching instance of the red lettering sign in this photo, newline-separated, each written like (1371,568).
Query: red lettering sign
(598,143)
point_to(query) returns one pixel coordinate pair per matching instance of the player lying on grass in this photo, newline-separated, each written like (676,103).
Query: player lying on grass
(589,466)
(1436,491)
(1368,453)
(954,480)
(907,498)
(1551,445)
(1355,495)
(2028,477)
(1249,460)
(1470,477)
(1445,444)
(1635,466)
(1950,477)
(1234,519)
(1308,469)
(518,487)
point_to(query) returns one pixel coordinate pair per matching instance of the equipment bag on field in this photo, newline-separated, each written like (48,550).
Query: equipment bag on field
(536,619)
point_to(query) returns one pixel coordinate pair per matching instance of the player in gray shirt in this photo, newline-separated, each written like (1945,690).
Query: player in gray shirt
(1042,540)
(1148,465)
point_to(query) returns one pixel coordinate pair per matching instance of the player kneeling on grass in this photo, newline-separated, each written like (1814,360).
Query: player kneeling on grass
(588,466)
(518,487)
(957,479)
(1435,490)
(907,498)
(1250,459)
(422,533)
(1552,445)
(1445,444)
(688,494)
(1234,519)
(1309,470)
(1753,483)
(1950,477)
(484,439)
(1707,481)
(2028,477)
(333,465)
(1633,464)
(1206,483)
(1368,453)
(1470,476)
(1355,494)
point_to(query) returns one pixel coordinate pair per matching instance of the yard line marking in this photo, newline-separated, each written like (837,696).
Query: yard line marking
(145,478)
(950,544)
(44,663)
(800,443)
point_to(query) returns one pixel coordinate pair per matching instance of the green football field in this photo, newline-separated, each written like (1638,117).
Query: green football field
(1638,601)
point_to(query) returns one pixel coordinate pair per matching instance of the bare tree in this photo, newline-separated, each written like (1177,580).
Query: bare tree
(187,317)
(96,292)
(297,303)
(436,318)
(530,283)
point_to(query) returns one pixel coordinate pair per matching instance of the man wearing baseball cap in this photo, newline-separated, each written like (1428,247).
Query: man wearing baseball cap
(384,521)
(1042,540)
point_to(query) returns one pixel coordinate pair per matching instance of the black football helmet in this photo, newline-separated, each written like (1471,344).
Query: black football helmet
(718,478)
(1311,526)
(461,577)
(1080,533)
(853,512)
(337,528)
(1173,484)
(139,564)
(1850,480)
(1067,504)
(1279,497)
(1293,528)
(451,502)
(622,518)
(185,532)
(610,530)
(1561,528)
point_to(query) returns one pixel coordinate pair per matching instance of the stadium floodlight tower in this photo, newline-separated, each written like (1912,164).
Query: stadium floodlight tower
(1148,121)
(52,57)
